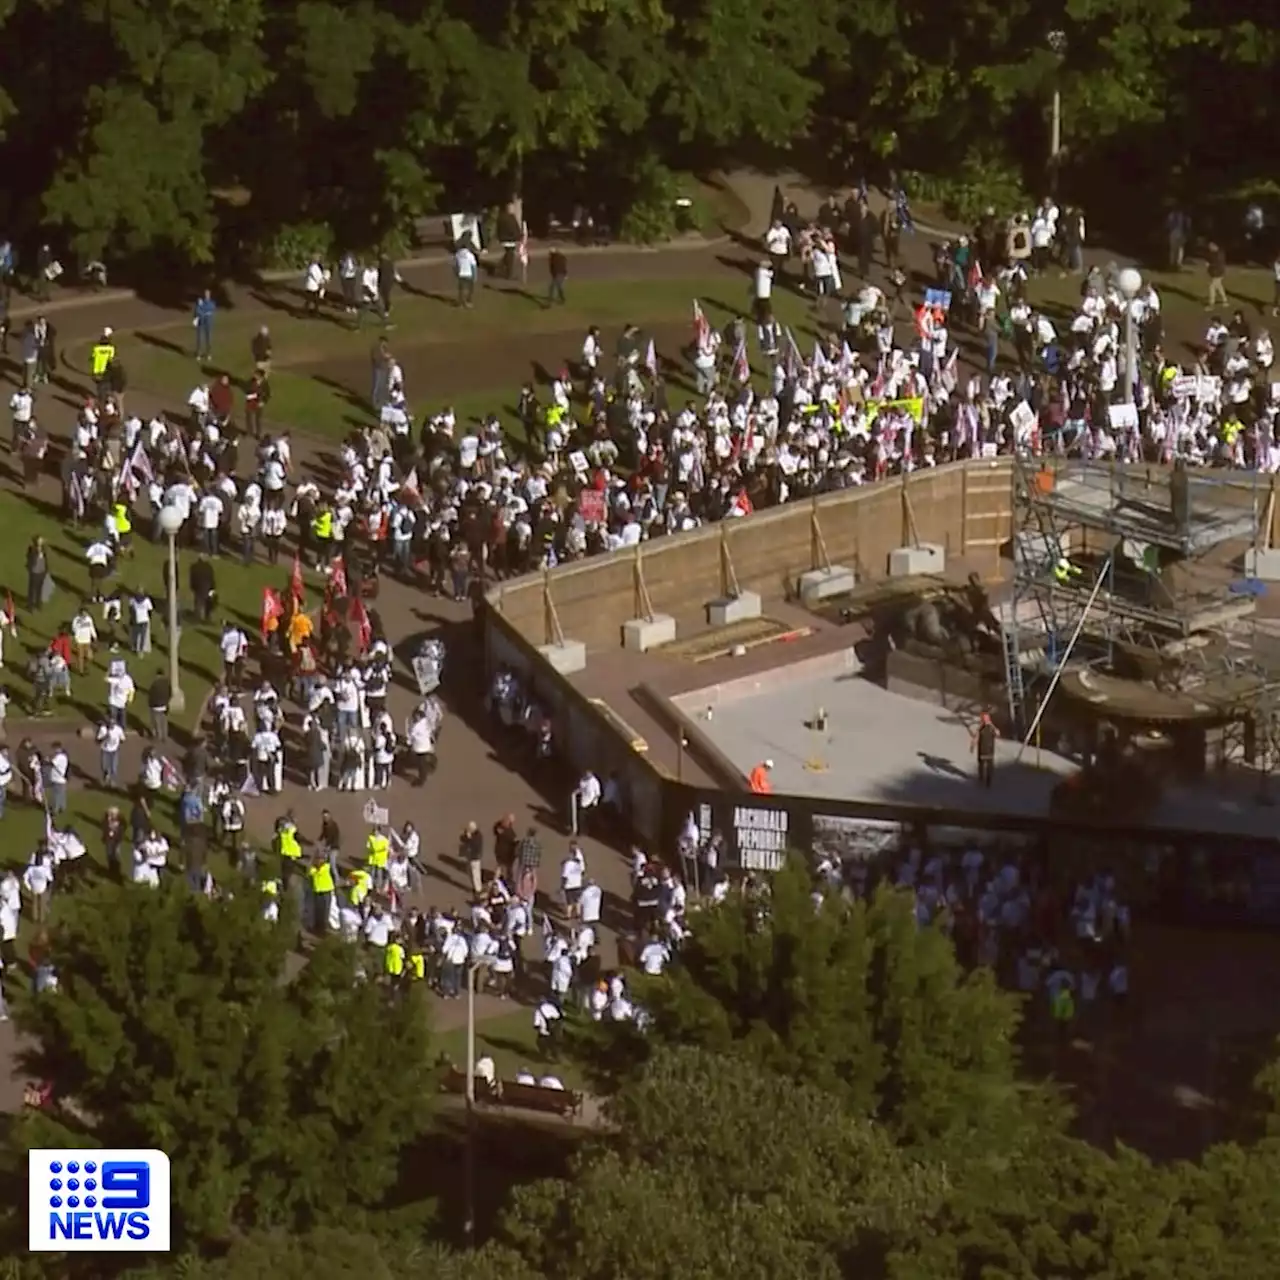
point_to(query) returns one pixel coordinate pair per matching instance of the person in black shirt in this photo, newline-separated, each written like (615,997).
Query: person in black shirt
(260,348)
(558,266)
(984,742)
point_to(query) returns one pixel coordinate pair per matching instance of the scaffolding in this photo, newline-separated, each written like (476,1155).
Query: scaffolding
(1153,587)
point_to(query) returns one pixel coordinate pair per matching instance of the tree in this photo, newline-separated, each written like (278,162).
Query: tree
(720,1167)
(158,80)
(281,1102)
(333,1253)
(855,999)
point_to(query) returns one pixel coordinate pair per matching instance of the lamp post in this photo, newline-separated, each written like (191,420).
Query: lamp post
(1130,282)
(171,520)
(1058,46)
(469,1219)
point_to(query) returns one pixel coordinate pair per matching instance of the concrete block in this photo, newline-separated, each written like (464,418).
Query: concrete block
(642,634)
(1262,564)
(1037,549)
(822,584)
(567,657)
(740,608)
(928,557)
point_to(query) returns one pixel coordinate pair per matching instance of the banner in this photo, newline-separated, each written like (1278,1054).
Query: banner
(591,506)
(914,407)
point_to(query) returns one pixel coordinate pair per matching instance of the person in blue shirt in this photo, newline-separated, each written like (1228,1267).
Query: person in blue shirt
(203,321)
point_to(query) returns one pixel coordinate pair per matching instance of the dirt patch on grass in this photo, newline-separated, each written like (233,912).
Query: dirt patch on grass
(436,373)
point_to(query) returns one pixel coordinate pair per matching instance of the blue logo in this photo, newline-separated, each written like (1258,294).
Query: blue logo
(108,1201)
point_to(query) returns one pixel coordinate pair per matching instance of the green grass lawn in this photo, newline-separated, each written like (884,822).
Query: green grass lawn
(1182,296)
(239,591)
(159,361)
(510,1040)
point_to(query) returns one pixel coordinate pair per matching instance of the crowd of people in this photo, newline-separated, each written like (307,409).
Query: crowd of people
(609,459)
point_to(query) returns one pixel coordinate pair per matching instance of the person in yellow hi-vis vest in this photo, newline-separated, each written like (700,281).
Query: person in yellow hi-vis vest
(1062,1007)
(377,850)
(361,886)
(320,873)
(101,354)
(122,528)
(289,847)
(322,533)
(1064,571)
(418,967)
(393,959)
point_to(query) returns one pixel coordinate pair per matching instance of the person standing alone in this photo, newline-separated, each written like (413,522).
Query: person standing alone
(984,742)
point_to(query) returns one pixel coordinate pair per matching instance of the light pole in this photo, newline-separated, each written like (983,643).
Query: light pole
(1130,283)
(474,968)
(171,520)
(1058,46)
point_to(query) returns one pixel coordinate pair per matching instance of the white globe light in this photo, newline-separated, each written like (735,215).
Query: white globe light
(170,521)
(1130,282)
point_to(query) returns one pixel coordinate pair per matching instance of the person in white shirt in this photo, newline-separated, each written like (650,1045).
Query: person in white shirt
(573,872)
(109,737)
(6,777)
(209,517)
(84,635)
(585,798)
(314,284)
(464,267)
(762,291)
(98,555)
(654,957)
(233,645)
(22,407)
(120,692)
(267,761)
(144,872)
(37,879)
(590,902)
(546,1020)
(454,954)
(141,608)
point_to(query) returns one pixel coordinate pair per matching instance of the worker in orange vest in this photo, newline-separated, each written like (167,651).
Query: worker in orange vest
(759,778)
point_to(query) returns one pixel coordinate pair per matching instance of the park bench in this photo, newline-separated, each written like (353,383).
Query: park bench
(455,1081)
(533,1097)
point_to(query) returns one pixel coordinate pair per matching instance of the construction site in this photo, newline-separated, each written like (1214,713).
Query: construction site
(1134,633)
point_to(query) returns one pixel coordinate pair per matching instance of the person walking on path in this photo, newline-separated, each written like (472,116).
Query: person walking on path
(464,268)
(202,319)
(558,266)
(1217,262)
(984,743)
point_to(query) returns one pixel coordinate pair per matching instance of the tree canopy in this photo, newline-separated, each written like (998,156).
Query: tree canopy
(282,1101)
(854,998)
(198,130)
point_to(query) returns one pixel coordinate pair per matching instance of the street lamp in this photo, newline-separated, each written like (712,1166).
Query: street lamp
(1130,282)
(1058,46)
(475,968)
(171,520)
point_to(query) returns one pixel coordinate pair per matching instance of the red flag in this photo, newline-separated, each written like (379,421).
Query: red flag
(741,365)
(272,609)
(296,586)
(10,611)
(743,502)
(338,578)
(364,628)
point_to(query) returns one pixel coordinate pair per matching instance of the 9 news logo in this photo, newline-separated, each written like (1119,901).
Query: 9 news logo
(83,1201)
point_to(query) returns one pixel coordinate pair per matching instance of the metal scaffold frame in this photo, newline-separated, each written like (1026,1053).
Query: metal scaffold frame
(1062,508)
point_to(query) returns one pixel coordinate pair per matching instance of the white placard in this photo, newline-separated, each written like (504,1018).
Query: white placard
(578,461)
(1122,416)
(1023,417)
